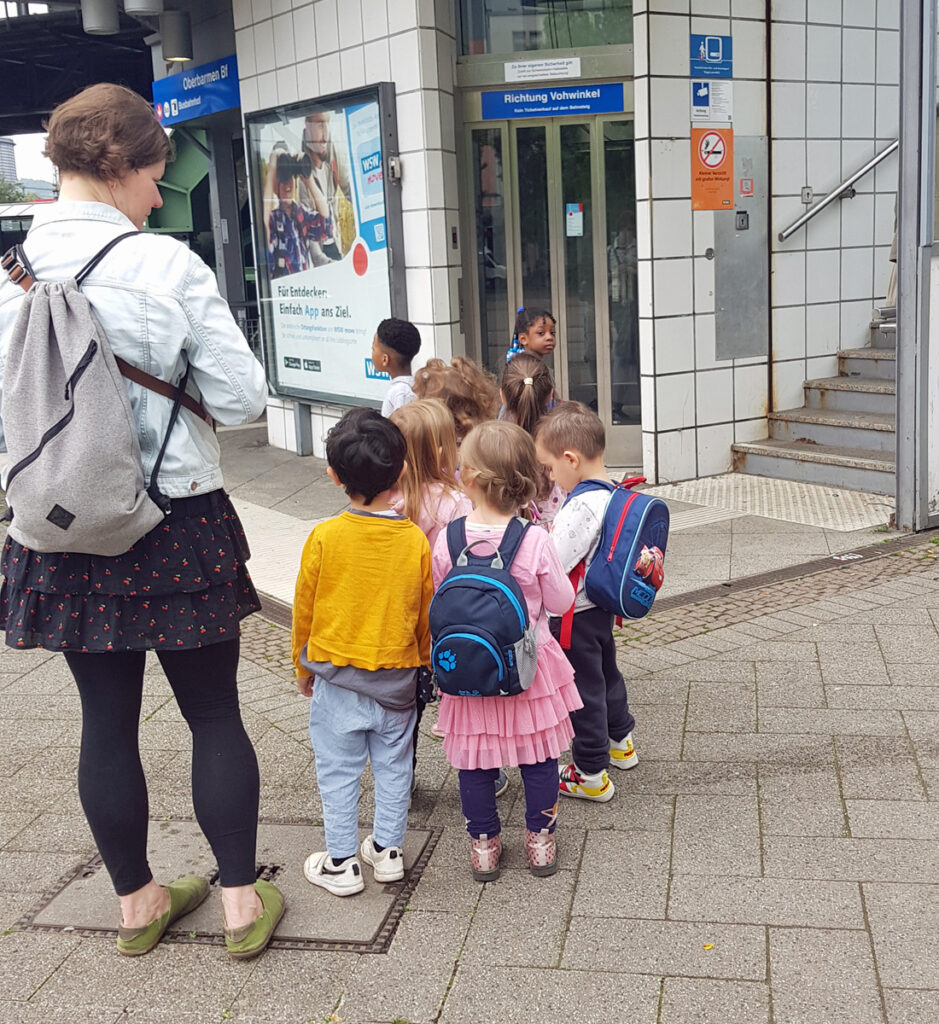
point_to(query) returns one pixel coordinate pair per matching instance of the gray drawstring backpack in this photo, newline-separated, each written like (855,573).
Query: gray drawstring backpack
(74,480)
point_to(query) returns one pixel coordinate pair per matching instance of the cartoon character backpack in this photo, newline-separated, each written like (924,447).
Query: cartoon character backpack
(482,644)
(626,570)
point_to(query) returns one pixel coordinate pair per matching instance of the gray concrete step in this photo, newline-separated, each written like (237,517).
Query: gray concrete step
(850,394)
(864,430)
(856,469)
(868,362)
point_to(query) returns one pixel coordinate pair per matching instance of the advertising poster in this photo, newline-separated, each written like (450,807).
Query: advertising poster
(322,245)
(712,168)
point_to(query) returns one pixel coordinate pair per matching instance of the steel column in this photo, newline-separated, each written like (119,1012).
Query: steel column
(914,253)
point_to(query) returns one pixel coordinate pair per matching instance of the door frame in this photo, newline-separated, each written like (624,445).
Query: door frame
(624,442)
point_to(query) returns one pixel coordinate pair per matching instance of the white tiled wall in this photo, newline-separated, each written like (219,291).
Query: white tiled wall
(694,406)
(832,80)
(826,69)
(294,50)
(834,66)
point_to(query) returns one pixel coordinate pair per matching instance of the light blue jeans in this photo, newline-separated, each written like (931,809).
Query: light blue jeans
(347,730)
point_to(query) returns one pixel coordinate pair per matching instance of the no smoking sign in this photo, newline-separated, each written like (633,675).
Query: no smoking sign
(711,150)
(712,166)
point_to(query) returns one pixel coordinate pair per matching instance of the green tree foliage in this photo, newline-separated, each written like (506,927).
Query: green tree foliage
(10,192)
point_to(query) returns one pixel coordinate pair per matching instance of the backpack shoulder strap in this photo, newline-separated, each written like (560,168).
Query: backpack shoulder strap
(162,387)
(19,270)
(590,485)
(456,538)
(512,540)
(100,254)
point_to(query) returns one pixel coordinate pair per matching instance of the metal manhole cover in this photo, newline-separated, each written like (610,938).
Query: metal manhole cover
(83,902)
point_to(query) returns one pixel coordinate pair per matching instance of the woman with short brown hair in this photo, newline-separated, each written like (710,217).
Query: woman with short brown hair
(182,589)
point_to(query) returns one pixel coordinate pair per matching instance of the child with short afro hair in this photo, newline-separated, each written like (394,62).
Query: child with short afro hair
(394,347)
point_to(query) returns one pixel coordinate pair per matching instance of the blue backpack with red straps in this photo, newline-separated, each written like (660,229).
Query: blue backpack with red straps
(626,570)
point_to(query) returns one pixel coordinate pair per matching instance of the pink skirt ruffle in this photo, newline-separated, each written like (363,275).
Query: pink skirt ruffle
(489,732)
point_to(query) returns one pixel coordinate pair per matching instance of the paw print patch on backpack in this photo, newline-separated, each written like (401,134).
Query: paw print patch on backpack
(446,660)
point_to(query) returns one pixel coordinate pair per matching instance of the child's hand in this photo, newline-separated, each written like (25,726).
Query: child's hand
(305,685)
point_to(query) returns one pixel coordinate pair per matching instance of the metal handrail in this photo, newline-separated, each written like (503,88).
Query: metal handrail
(842,188)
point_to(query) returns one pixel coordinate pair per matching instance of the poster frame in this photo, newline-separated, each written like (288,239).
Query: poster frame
(384,94)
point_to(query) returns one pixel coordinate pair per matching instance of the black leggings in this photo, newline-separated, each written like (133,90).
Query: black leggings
(111,783)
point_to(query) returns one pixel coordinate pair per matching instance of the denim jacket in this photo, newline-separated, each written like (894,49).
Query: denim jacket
(155,300)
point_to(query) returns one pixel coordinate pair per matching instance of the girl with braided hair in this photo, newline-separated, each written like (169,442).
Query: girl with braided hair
(500,472)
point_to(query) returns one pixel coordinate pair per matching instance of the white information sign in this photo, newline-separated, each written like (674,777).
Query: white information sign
(574,220)
(536,70)
(712,100)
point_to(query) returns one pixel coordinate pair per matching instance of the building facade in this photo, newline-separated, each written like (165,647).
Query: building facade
(685,327)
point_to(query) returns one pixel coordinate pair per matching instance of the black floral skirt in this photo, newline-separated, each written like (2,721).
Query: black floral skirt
(183,585)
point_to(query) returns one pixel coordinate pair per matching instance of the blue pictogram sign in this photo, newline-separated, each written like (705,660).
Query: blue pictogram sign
(712,57)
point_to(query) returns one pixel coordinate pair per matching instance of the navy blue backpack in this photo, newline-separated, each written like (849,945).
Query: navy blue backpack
(626,571)
(482,644)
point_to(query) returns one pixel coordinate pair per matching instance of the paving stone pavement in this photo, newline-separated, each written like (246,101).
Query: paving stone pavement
(772,858)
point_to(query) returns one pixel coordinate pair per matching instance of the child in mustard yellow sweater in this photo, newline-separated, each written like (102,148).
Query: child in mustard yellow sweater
(360,634)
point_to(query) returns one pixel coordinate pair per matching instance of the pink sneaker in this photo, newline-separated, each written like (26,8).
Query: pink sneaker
(485,854)
(542,852)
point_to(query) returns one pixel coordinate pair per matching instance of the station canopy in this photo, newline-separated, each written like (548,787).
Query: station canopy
(46,58)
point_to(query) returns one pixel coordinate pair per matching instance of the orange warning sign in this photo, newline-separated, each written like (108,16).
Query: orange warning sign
(712,168)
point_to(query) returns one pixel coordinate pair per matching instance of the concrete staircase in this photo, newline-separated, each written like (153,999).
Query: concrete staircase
(845,433)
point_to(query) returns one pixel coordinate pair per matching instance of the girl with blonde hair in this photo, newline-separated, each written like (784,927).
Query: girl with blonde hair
(500,473)
(467,390)
(430,495)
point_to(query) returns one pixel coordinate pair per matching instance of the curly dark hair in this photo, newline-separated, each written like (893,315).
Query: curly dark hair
(367,452)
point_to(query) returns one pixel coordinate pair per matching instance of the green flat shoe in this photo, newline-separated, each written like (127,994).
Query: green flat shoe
(252,939)
(185,895)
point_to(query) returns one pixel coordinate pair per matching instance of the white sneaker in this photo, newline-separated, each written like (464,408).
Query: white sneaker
(623,753)
(573,782)
(388,865)
(346,880)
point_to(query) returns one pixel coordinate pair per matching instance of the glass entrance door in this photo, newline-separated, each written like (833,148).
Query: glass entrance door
(555,226)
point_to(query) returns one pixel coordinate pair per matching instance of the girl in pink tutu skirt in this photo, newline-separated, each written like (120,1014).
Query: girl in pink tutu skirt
(500,473)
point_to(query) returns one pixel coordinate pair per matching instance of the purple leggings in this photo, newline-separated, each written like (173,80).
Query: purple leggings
(478,796)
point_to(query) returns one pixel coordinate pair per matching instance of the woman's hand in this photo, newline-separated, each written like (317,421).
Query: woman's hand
(305,685)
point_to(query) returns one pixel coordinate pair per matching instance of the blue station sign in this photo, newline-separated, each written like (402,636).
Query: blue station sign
(712,56)
(553,101)
(197,92)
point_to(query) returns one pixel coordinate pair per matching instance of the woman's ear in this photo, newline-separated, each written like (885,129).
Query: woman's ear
(331,473)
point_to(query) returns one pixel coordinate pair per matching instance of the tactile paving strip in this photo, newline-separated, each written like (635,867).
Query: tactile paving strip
(688,519)
(830,508)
